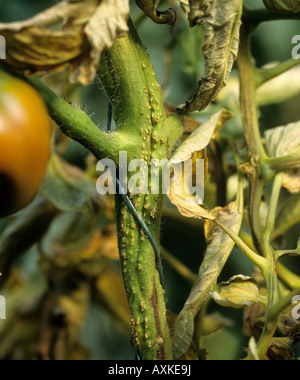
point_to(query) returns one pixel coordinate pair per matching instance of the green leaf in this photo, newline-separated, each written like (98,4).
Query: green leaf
(66,186)
(283,6)
(216,257)
(221,20)
(238,292)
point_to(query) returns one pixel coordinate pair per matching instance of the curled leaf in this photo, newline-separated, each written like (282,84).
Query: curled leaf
(221,20)
(216,257)
(180,194)
(41,44)
(283,6)
(283,141)
(238,292)
(160,17)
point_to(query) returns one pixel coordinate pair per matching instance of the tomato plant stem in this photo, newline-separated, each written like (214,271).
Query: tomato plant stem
(129,80)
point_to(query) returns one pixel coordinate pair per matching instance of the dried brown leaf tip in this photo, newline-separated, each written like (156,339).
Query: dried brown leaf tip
(71,34)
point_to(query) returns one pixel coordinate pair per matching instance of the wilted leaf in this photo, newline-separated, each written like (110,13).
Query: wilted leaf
(283,6)
(221,20)
(216,257)
(238,292)
(67,244)
(288,326)
(66,186)
(283,141)
(36,47)
(201,137)
(191,205)
(23,312)
(150,8)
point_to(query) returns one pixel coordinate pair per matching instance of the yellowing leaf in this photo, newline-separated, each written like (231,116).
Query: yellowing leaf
(180,192)
(39,46)
(215,258)
(283,6)
(221,20)
(201,137)
(238,292)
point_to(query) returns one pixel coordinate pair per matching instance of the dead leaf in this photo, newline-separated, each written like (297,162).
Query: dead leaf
(221,20)
(280,349)
(42,44)
(215,258)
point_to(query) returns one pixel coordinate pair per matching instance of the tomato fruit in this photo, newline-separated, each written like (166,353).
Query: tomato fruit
(25,143)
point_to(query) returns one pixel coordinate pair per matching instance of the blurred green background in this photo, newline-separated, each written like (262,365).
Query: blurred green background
(176,56)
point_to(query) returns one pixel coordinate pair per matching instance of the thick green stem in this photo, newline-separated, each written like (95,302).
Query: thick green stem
(150,333)
(129,80)
(77,125)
